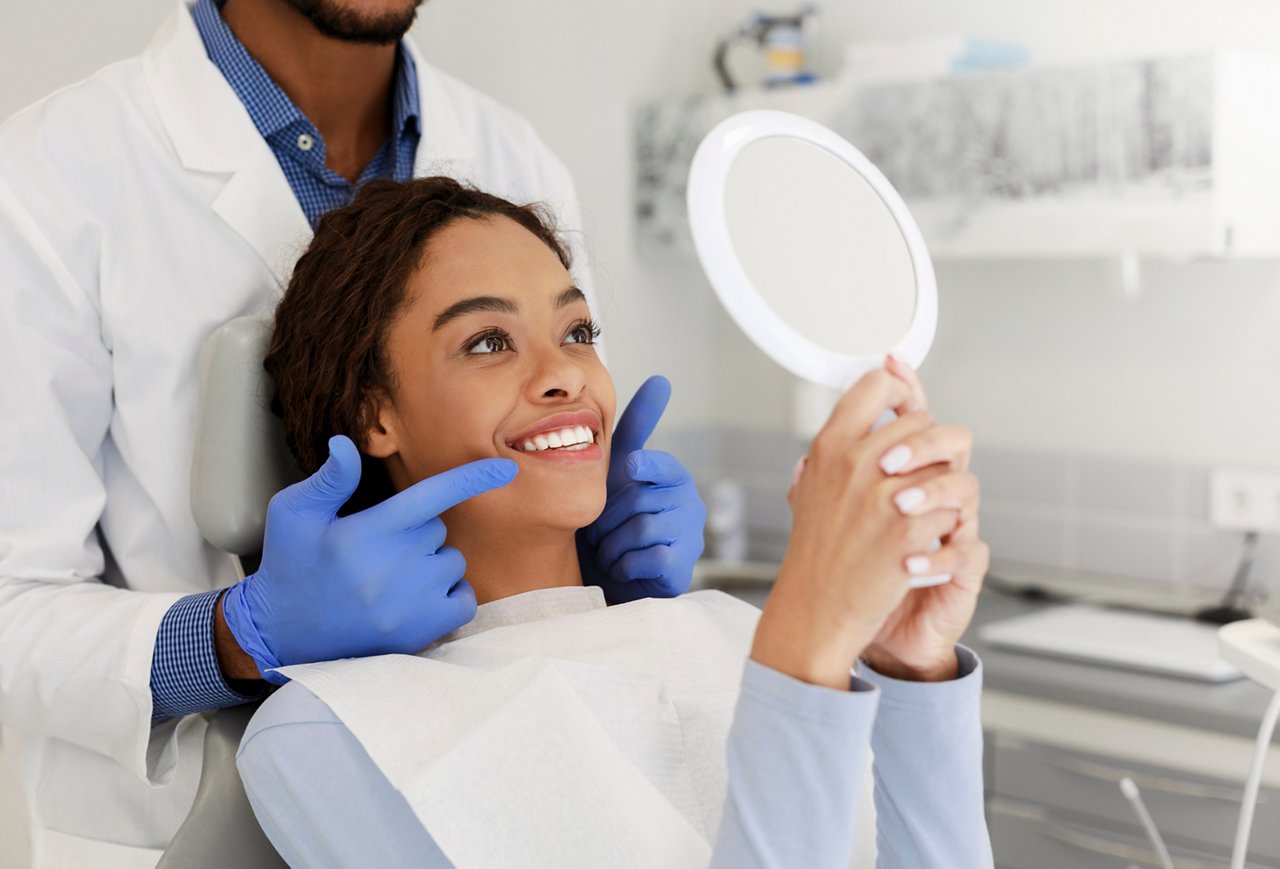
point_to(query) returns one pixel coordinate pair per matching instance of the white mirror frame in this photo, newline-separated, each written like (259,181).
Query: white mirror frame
(709,224)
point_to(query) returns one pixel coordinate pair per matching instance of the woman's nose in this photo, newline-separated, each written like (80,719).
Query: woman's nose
(556,375)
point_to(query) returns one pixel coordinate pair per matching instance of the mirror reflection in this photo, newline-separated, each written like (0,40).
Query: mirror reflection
(820,246)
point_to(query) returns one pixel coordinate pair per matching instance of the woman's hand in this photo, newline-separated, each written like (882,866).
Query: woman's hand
(917,641)
(846,568)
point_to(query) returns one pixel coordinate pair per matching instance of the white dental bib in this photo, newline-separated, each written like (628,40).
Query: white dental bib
(556,731)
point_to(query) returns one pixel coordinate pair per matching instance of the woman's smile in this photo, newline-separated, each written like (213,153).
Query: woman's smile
(562,437)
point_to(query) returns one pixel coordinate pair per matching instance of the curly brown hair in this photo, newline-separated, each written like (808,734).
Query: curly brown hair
(327,355)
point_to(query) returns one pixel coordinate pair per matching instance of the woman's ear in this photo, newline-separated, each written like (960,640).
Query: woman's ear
(379,429)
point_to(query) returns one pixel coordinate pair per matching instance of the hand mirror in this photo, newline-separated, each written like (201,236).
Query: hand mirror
(810,249)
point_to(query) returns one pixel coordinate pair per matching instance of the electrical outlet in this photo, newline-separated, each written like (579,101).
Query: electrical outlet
(1242,499)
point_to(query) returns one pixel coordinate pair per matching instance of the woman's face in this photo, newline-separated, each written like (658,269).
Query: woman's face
(493,357)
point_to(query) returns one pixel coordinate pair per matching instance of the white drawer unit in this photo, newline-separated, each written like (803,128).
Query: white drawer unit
(1054,799)
(1026,835)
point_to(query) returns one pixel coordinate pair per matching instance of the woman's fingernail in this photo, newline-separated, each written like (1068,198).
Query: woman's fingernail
(917,565)
(909,499)
(896,459)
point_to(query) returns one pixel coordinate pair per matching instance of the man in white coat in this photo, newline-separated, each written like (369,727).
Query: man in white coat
(140,210)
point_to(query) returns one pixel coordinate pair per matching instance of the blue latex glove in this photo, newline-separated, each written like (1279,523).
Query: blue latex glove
(372,583)
(647,539)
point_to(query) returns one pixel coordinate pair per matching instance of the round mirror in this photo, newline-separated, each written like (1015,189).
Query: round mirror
(809,248)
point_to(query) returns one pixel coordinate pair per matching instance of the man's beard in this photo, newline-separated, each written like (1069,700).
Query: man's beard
(339,22)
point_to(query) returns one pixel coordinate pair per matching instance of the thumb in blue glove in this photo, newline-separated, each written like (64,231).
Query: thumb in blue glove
(375,582)
(650,534)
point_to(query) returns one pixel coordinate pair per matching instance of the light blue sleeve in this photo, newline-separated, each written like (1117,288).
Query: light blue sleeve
(796,756)
(319,797)
(797,753)
(927,742)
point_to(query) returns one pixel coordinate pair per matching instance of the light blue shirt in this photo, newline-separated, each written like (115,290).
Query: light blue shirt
(796,757)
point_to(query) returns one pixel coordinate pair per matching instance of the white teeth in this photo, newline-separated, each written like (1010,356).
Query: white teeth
(577,437)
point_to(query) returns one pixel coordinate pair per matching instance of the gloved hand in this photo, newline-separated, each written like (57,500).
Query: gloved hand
(647,539)
(372,583)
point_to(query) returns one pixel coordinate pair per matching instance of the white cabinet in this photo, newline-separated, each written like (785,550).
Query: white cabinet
(1171,157)
(1053,776)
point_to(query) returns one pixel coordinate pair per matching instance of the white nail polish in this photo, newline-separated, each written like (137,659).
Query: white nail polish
(909,499)
(917,565)
(896,459)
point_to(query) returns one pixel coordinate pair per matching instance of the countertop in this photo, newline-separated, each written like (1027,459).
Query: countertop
(1231,708)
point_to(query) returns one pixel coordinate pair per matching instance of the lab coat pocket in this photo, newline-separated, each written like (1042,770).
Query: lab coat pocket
(86,799)
(64,851)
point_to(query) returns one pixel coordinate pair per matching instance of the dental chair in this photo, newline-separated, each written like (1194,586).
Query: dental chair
(240,462)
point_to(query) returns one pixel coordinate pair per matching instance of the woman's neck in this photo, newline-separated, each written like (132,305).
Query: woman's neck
(512,563)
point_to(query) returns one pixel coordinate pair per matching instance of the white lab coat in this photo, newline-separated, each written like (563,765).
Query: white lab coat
(139,210)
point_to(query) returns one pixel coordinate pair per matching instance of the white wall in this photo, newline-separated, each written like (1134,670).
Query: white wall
(1031,354)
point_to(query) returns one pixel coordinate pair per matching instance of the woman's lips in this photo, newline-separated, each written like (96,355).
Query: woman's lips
(561,437)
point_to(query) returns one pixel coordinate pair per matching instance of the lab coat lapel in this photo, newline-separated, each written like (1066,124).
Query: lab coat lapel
(211,132)
(444,148)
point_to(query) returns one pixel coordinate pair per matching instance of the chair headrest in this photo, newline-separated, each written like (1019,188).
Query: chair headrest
(240,455)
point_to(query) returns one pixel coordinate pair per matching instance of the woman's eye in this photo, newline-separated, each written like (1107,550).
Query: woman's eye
(494,342)
(583,333)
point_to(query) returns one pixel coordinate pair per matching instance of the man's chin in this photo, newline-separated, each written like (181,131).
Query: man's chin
(339,21)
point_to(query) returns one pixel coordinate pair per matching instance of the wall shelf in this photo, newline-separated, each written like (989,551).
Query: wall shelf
(1175,158)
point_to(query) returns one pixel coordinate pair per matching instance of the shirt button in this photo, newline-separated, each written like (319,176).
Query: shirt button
(306,142)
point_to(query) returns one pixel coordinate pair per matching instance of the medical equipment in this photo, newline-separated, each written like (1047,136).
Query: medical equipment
(1134,796)
(221,830)
(782,39)
(811,250)
(240,458)
(238,464)
(1252,645)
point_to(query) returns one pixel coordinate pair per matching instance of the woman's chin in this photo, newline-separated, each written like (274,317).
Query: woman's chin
(552,513)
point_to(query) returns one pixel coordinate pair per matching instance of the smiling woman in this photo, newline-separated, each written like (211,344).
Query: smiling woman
(435,326)
(431,303)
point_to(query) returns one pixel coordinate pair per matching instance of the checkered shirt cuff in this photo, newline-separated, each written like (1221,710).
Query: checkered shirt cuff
(185,676)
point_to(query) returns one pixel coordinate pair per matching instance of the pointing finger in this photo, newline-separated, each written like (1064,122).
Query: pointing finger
(427,499)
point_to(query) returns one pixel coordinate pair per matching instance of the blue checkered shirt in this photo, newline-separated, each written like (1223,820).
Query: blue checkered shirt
(297,144)
(185,676)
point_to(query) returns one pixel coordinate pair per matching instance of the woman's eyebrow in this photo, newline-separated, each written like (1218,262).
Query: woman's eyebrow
(498,303)
(476,303)
(570,296)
